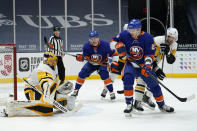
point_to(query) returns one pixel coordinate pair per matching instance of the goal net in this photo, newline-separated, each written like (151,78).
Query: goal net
(8,68)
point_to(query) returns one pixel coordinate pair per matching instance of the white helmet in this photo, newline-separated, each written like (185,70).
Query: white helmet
(172,32)
(125,27)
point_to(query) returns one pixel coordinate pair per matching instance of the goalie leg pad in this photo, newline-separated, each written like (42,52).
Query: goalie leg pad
(65,100)
(32,94)
(28,108)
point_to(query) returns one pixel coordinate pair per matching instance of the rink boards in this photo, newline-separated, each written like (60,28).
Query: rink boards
(185,66)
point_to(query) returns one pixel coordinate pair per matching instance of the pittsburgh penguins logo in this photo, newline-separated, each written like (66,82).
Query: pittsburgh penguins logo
(136,52)
(96,58)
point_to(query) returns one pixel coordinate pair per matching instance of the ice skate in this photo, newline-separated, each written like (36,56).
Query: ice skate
(166,108)
(75,93)
(147,102)
(104,92)
(3,113)
(112,96)
(138,106)
(128,110)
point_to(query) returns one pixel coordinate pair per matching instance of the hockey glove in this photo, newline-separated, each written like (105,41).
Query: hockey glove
(114,67)
(165,48)
(146,70)
(170,58)
(79,57)
(120,47)
(160,74)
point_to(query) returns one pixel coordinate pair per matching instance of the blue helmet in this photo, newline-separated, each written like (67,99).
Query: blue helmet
(93,34)
(134,24)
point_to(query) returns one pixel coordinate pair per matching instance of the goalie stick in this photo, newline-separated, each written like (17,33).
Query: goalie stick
(55,103)
(46,42)
(189,98)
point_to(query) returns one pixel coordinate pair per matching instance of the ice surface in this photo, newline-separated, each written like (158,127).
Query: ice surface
(104,115)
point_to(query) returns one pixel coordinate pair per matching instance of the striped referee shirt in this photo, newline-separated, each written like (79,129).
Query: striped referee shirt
(57,43)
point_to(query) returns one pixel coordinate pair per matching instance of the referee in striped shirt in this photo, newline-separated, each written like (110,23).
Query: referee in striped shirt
(57,44)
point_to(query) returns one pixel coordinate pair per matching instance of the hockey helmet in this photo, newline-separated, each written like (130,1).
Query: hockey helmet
(93,33)
(134,24)
(50,59)
(173,33)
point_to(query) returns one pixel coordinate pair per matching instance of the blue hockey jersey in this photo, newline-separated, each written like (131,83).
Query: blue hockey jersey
(100,53)
(139,48)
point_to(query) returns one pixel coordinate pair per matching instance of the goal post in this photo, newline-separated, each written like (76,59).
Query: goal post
(8,65)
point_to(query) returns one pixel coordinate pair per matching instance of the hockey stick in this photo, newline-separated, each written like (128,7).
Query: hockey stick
(163,54)
(46,42)
(120,91)
(179,98)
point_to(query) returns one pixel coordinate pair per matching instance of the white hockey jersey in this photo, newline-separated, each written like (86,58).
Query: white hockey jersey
(159,40)
(42,72)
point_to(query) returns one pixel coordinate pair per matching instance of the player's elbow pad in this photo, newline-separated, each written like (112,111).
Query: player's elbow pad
(170,59)
(120,47)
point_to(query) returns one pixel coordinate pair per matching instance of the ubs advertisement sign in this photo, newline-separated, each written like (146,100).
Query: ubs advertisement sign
(79,22)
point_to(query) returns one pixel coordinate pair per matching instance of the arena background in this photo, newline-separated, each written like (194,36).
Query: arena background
(109,16)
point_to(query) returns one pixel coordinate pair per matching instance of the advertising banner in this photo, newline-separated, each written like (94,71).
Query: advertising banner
(79,22)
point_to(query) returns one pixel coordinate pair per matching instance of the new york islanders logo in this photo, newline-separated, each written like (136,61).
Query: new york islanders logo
(96,58)
(136,52)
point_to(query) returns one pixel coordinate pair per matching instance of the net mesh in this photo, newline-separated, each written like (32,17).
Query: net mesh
(8,67)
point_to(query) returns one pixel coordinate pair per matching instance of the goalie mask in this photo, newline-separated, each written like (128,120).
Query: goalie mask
(50,59)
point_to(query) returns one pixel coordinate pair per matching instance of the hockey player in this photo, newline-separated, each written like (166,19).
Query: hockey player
(169,50)
(96,52)
(140,47)
(116,67)
(44,78)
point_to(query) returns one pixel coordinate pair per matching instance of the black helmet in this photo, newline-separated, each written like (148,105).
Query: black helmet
(56,28)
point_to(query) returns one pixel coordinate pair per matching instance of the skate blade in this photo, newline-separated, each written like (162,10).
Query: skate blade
(113,100)
(147,106)
(135,111)
(128,115)
(102,98)
(107,100)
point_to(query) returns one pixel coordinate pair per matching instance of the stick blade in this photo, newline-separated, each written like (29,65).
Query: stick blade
(193,96)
